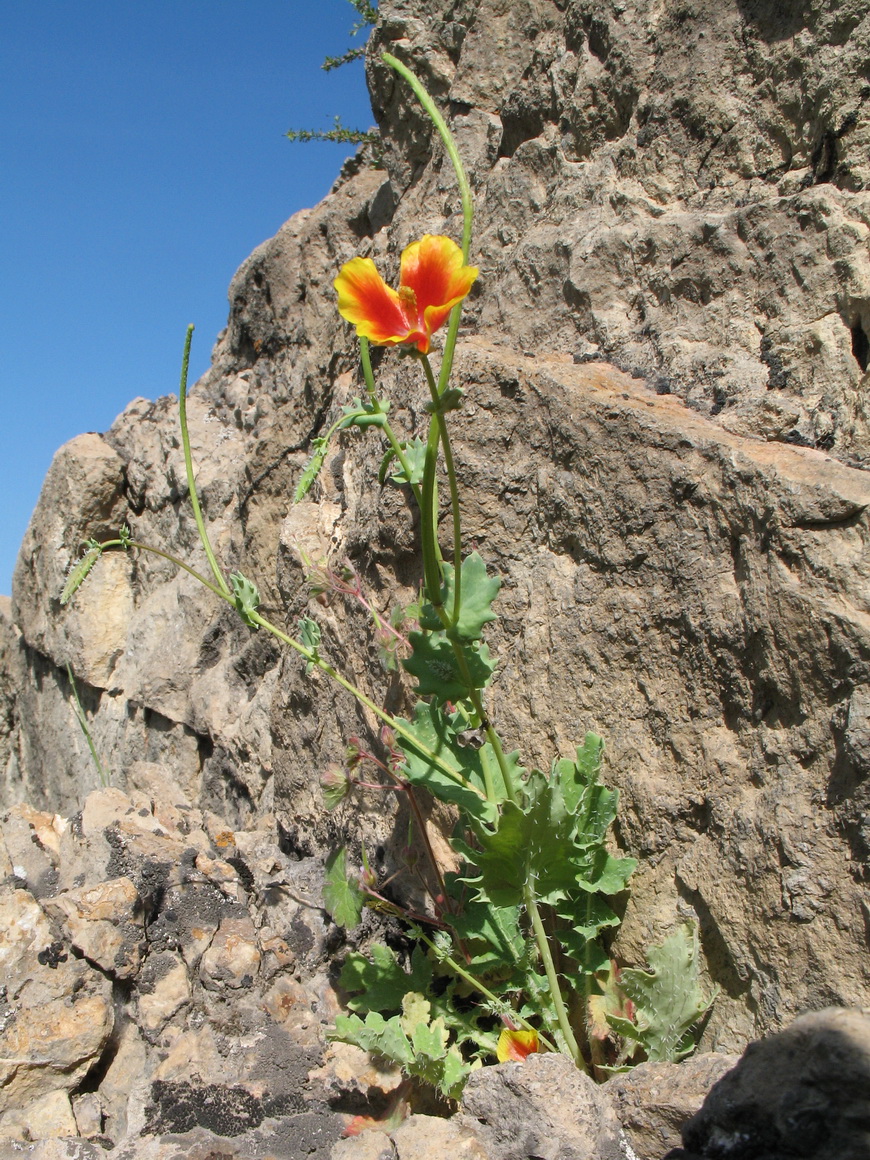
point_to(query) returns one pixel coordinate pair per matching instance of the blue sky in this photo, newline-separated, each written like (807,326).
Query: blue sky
(143,158)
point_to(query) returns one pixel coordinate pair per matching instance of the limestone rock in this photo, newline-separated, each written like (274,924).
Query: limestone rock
(205,1043)
(233,958)
(368,1146)
(429,1138)
(104,923)
(542,1108)
(627,212)
(355,1078)
(671,554)
(664,442)
(32,842)
(164,988)
(654,1100)
(48,1118)
(51,1047)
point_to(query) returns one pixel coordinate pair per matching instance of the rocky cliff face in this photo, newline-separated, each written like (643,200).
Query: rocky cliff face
(664,443)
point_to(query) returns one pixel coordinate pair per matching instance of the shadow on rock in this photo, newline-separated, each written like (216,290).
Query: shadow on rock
(802,1093)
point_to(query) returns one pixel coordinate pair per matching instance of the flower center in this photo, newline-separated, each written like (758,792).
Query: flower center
(408,299)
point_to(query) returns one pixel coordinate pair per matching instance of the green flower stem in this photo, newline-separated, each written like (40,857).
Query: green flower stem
(487,776)
(438,433)
(495,741)
(429,521)
(397,727)
(543,945)
(387,429)
(105,778)
(449,144)
(441,425)
(313,659)
(108,544)
(464,192)
(487,994)
(188,467)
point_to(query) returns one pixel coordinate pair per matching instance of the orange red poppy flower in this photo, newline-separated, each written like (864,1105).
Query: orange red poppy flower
(516,1045)
(432,279)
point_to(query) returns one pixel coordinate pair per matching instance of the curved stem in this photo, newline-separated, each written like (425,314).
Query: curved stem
(394,724)
(487,994)
(173,560)
(449,144)
(543,945)
(188,467)
(464,192)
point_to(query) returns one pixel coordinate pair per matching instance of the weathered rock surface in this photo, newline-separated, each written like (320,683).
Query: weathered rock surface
(678,188)
(164,982)
(547,1110)
(663,444)
(178,1010)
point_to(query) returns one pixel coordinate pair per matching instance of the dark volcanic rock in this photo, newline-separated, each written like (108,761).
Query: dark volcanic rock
(802,1093)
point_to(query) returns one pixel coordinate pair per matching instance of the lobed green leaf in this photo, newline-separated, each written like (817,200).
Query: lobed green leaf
(246,597)
(309,636)
(436,732)
(320,445)
(435,665)
(667,997)
(379,982)
(79,571)
(478,591)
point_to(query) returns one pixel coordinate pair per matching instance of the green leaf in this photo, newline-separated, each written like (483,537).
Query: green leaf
(342,896)
(449,400)
(379,982)
(455,1072)
(309,636)
(361,413)
(246,597)
(415,457)
(436,667)
(435,732)
(667,997)
(416,1008)
(478,591)
(376,1034)
(497,927)
(588,915)
(539,840)
(320,445)
(574,777)
(606,874)
(430,1039)
(79,571)
(504,862)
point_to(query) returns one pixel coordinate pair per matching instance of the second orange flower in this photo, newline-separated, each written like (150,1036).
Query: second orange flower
(432,279)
